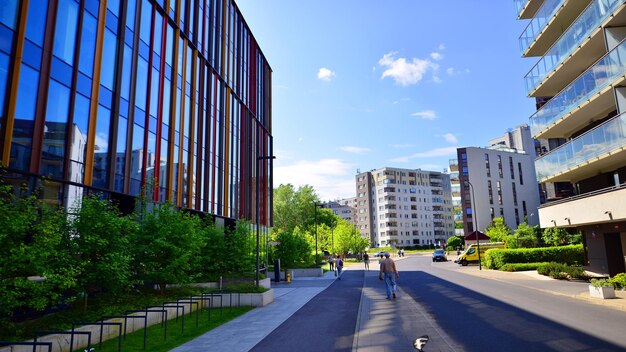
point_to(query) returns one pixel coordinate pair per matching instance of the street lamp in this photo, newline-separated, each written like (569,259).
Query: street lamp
(258,159)
(332,236)
(480,264)
(315,205)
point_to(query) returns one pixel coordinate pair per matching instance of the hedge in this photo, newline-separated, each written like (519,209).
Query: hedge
(561,271)
(521,266)
(572,254)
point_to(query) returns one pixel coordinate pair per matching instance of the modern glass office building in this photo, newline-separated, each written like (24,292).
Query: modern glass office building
(166,98)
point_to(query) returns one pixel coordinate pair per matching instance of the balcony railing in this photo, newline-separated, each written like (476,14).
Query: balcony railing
(600,75)
(519,5)
(538,23)
(588,21)
(603,139)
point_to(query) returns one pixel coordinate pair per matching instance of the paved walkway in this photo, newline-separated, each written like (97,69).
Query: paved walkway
(375,313)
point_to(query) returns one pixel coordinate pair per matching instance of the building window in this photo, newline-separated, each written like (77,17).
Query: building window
(487,166)
(490,192)
(499,186)
(516,217)
(500,172)
(511,168)
(521,176)
(514,194)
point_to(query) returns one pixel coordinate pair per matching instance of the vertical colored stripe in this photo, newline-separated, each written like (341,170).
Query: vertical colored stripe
(181,140)
(172,114)
(226,156)
(192,131)
(95,94)
(213,166)
(15,78)
(157,163)
(224,23)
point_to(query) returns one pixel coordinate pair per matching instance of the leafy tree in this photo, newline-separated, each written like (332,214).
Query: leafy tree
(558,236)
(211,250)
(498,231)
(348,238)
(295,207)
(454,242)
(102,239)
(293,251)
(167,245)
(239,247)
(525,236)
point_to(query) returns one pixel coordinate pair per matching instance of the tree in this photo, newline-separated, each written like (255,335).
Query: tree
(293,251)
(498,230)
(454,242)
(295,207)
(525,236)
(167,246)
(102,239)
(348,239)
(558,236)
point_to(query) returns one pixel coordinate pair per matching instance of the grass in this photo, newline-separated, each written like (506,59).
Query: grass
(176,335)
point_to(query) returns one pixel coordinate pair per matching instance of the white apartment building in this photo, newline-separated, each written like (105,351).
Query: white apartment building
(404,207)
(343,208)
(579,84)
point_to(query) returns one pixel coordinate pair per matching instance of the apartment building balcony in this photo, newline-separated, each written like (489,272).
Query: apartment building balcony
(602,206)
(389,198)
(599,150)
(390,216)
(586,99)
(391,224)
(576,49)
(436,192)
(548,24)
(389,189)
(437,208)
(526,9)
(390,206)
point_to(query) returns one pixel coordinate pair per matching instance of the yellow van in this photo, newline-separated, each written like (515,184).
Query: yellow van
(470,255)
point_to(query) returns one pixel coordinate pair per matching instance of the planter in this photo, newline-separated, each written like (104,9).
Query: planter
(603,292)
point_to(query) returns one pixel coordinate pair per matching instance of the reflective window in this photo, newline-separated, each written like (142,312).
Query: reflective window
(130,14)
(65,32)
(36,23)
(79,132)
(109,55)
(114,7)
(58,102)
(27,94)
(53,148)
(146,17)
(126,67)
(142,83)
(4,77)
(87,44)
(8,12)
(101,164)
(120,156)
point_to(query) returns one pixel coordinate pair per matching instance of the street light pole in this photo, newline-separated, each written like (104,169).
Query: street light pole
(258,225)
(475,217)
(315,205)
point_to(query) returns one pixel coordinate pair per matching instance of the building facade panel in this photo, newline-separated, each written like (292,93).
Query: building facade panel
(166,99)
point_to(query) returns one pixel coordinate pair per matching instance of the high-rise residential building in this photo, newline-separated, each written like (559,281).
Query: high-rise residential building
(170,99)
(578,83)
(404,207)
(343,208)
(496,182)
(457,204)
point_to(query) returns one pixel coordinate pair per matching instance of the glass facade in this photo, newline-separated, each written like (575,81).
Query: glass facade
(169,99)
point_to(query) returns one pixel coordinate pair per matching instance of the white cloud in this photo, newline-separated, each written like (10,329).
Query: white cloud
(354,150)
(433,153)
(401,146)
(325,74)
(450,138)
(331,178)
(442,47)
(436,56)
(426,114)
(431,167)
(403,71)
(450,71)
(436,79)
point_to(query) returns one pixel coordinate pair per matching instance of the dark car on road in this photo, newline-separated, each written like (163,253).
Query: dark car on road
(439,255)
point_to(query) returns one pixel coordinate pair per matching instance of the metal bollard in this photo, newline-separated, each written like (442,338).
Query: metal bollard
(288,276)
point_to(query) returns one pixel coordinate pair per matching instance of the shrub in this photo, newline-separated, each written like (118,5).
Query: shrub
(601,283)
(521,266)
(561,271)
(619,281)
(572,254)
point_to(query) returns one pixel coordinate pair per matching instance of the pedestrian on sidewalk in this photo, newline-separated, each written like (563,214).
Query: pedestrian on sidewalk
(339,266)
(366,260)
(331,262)
(389,273)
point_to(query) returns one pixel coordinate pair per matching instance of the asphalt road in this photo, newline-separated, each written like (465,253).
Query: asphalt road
(480,314)
(474,314)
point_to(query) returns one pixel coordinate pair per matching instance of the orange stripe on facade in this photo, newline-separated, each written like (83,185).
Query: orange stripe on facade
(179,198)
(226,185)
(15,78)
(95,93)
(224,41)
(172,122)
(192,125)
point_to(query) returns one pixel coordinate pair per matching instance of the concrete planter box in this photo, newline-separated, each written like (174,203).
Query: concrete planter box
(61,343)
(315,272)
(267,283)
(601,292)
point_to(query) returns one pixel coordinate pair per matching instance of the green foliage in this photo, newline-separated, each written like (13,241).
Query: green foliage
(557,236)
(521,266)
(454,242)
(348,238)
(167,246)
(293,251)
(602,283)
(498,231)
(294,208)
(619,281)
(101,244)
(562,271)
(524,237)
(572,254)
(239,246)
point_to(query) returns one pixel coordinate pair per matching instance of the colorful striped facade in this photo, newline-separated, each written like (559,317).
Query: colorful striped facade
(166,98)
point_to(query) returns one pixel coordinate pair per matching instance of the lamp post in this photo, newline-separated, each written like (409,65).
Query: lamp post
(480,265)
(315,205)
(332,237)
(258,160)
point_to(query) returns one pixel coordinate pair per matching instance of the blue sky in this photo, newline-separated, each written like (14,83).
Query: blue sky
(364,84)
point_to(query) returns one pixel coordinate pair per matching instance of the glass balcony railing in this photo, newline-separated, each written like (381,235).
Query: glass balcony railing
(588,21)
(519,5)
(536,25)
(600,75)
(603,139)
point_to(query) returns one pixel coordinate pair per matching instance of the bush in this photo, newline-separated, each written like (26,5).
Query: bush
(619,281)
(561,271)
(495,258)
(602,283)
(521,266)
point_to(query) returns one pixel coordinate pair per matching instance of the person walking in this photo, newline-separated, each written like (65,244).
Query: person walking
(331,262)
(366,261)
(389,273)
(339,266)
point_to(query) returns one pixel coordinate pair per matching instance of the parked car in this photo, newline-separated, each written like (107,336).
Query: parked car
(439,255)
(379,254)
